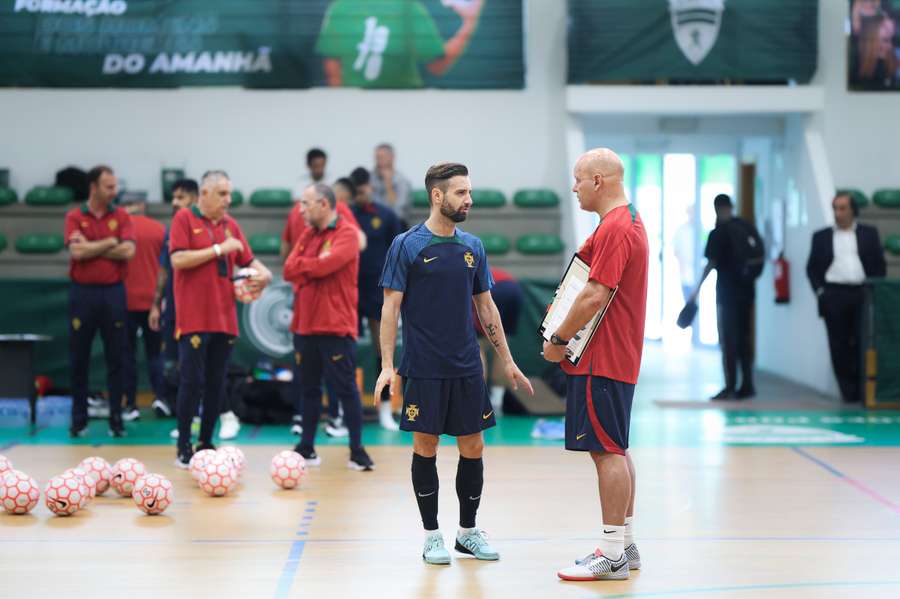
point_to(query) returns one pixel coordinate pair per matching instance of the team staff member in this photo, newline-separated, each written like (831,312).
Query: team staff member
(842,257)
(432,274)
(162,313)
(323,267)
(601,387)
(207,246)
(100,239)
(296,224)
(142,275)
(380,225)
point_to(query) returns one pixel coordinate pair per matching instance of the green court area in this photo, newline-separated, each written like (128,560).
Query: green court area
(650,427)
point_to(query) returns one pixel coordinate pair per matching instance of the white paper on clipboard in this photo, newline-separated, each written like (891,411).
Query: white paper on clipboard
(572,284)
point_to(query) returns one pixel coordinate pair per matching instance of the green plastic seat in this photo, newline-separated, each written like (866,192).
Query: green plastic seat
(237,198)
(271,198)
(8,196)
(2,242)
(536,198)
(858,197)
(488,198)
(49,196)
(539,244)
(265,244)
(167,178)
(892,244)
(495,244)
(420,199)
(887,198)
(39,243)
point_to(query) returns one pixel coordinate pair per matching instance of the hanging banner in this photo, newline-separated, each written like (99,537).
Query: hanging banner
(693,41)
(399,44)
(873,50)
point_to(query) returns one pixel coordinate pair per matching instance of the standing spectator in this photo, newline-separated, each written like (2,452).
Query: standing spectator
(735,295)
(316,161)
(100,239)
(139,286)
(389,186)
(380,225)
(323,266)
(840,260)
(207,246)
(162,313)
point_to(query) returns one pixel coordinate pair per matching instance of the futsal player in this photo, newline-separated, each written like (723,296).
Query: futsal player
(601,387)
(432,274)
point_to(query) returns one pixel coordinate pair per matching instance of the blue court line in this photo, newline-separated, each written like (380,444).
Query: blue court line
(859,486)
(290,570)
(757,587)
(820,462)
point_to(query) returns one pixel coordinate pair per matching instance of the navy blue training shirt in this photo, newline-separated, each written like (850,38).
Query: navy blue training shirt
(438,277)
(380,225)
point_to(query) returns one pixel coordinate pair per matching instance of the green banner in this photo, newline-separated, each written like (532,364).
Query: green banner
(458,44)
(693,41)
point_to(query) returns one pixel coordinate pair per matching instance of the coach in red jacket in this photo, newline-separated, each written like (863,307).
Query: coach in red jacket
(323,266)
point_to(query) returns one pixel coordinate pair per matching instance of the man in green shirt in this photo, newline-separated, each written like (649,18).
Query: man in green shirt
(380,43)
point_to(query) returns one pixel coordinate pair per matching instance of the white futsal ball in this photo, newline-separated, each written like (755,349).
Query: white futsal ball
(242,289)
(217,478)
(125,473)
(153,493)
(19,493)
(287,469)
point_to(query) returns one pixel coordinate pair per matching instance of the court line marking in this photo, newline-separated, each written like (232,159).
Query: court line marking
(757,587)
(863,488)
(292,564)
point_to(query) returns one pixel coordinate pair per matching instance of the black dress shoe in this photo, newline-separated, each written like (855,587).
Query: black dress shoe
(745,393)
(725,393)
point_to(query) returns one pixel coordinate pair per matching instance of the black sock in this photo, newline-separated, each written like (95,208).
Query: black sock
(469,483)
(425,484)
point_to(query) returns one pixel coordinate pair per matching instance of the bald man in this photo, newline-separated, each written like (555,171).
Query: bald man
(601,387)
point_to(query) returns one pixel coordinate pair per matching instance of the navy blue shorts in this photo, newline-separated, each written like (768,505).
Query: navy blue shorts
(598,414)
(455,407)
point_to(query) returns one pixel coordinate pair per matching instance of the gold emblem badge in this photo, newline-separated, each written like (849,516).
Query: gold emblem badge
(326,247)
(196,341)
(470,259)
(76,324)
(113,224)
(228,233)
(412,412)
(298,357)
(376,223)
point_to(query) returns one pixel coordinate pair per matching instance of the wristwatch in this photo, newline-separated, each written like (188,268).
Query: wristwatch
(217,249)
(557,340)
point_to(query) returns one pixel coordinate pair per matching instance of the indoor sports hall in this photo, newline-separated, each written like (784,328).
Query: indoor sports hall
(450,298)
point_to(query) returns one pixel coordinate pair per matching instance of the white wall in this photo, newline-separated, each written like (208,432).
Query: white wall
(509,139)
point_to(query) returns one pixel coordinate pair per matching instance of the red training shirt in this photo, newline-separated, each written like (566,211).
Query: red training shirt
(140,282)
(204,300)
(115,222)
(323,266)
(296,224)
(618,254)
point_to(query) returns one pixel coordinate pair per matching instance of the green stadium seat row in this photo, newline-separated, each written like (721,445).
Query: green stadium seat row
(237,198)
(493,198)
(8,196)
(265,244)
(892,244)
(271,198)
(49,196)
(40,243)
(533,244)
(887,198)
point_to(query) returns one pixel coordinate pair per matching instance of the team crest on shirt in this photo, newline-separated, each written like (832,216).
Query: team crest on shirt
(113,225)
(412,412)
(376,223)
(326,247)
(228,233)
(470,259)
(197,231)
(196,341)
(84,224)
(76,324)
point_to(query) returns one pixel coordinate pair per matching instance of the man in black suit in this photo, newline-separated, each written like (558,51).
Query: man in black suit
(841,259)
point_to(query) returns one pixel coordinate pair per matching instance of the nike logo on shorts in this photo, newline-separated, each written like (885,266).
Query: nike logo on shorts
(486,416)
(474,498)
(337,358)
(426,494)
(579,437)
(427,260)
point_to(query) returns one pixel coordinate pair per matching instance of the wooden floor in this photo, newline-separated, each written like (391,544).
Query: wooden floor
(711,522)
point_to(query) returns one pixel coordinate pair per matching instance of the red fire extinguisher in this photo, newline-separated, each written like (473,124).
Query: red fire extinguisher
(782,280)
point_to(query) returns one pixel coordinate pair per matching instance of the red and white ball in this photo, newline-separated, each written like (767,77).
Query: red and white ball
(233,455)
(19,493)
(242,287)
(125,473)
(64,496)
(287,469)
(199,461)
(217,478)
(153,493)
(84,490)
(89,478)
(5,465)
(101,469)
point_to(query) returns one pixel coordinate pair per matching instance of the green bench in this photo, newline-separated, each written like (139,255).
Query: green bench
(887,198)
(49,196)
(271,198)
(536,198)
(539,244)
(8,196)
(488,198)
(40,243)
(237,198)
(892,245)
(495,244)
(265,244)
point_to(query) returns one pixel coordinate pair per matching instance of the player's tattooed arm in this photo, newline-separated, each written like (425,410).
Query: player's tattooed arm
(492,332)
(493,326)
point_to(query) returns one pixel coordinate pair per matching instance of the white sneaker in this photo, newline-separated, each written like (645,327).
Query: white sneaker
(385,418)
(336,428)
(297,426)
(195,428)
(229,427)
(130,414)
(597,567)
